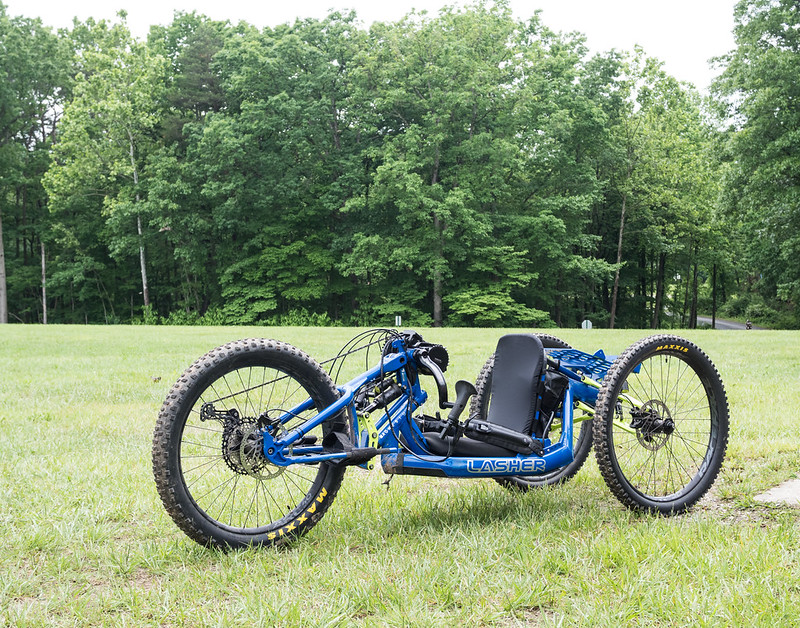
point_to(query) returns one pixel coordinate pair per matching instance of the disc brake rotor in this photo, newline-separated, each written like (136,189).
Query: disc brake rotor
(656,413)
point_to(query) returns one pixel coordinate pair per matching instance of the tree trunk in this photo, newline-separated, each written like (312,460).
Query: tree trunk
(437,276)
(662,262)
(23,208)
(644,294)
(44,289)
(619,261)
(684,322)
(3,293)
(337,140)
(651,289)
(145,288)
(437,298)
(693,311)
(437,273)
(714,297)
(557,311)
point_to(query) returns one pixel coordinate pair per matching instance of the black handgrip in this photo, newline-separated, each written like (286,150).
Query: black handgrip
(464,390)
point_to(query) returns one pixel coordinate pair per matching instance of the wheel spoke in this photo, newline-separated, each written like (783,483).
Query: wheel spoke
(666,453)
(208,446)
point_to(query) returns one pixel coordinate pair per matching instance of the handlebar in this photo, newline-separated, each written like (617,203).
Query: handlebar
(431,358)
(424,360)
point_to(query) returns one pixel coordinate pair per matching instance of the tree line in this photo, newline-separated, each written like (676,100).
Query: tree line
(467,168)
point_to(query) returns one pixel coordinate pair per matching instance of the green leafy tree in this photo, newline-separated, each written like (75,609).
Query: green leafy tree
(279,163)
(554,184)
(758,91)
(34,70)
(189,248)
(446,93)
(106,132)
(659,193)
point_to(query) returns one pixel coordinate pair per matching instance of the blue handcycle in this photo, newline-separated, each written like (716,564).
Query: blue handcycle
(252,442)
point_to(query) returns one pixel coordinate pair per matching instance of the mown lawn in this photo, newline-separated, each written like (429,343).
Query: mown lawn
(87,542)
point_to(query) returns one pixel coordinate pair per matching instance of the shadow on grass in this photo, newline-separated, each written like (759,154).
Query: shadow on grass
(473,507)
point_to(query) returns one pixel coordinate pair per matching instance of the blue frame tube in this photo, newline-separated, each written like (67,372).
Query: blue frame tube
(392,423)
(273,449)
(555,456)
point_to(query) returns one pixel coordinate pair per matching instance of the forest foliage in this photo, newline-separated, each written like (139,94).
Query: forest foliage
(465,168)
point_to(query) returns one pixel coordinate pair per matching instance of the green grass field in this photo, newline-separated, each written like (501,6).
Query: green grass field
(87,542)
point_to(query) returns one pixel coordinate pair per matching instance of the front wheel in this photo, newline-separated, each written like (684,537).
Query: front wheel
(208,457)
(661,425)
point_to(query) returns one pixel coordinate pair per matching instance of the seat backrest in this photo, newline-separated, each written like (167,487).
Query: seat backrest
(519,363)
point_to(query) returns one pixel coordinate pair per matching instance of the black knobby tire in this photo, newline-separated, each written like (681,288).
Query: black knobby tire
(664,470)
(582,439)
(210,471)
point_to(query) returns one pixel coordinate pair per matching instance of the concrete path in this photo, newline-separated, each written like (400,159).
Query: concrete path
(786,494)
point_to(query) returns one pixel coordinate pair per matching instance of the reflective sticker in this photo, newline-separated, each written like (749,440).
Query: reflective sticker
(511,465)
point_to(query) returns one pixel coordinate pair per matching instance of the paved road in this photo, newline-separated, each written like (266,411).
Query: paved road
(723,324)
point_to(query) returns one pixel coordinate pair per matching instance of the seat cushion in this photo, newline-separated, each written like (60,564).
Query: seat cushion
(519,362)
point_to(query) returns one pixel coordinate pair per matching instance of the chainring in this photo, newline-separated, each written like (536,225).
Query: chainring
(243,448)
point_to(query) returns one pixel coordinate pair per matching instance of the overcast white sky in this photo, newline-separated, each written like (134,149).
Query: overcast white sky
(684,34)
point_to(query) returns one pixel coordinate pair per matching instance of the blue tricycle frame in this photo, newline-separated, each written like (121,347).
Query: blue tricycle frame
(230,449)
(395,422)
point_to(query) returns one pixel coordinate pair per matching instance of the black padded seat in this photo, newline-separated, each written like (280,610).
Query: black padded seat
(519,362)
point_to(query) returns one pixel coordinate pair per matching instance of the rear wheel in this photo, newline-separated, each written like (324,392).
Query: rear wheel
(661,425)
(208,458)
(582,434)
